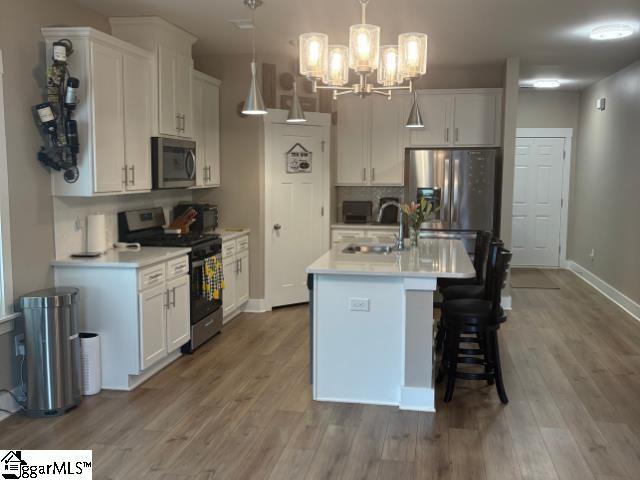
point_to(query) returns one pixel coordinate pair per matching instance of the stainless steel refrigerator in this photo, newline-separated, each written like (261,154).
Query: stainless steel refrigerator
(463,183)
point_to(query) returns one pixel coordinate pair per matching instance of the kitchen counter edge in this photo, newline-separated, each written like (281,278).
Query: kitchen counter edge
(125,258)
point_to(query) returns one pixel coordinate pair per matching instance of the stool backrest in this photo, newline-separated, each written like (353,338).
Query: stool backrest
(481,254)
(499,281)
(494,247)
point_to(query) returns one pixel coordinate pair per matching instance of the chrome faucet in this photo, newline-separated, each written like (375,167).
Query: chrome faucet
(400,236)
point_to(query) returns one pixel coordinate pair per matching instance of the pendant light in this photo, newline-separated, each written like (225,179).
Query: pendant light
(415,117)
(253,105)
(296,114)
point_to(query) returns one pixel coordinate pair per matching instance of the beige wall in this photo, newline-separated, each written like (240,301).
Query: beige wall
(548,109)
(606,202)
(511,74)
(31,216)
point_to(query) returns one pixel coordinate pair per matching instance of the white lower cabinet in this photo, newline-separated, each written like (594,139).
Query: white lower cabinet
(235,265)
(153,335)
(141,314)
(178,321)
(378,234)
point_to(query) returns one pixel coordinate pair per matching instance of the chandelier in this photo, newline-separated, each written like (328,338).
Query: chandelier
(327,66)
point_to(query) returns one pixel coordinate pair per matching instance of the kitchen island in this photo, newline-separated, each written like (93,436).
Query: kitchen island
(372,321)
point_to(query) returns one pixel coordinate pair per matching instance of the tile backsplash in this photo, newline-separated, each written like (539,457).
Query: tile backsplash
(70,215)
(373,194)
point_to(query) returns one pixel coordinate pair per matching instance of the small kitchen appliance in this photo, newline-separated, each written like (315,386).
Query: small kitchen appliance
(356,211)
(145,226)
(206,218)
(173,163)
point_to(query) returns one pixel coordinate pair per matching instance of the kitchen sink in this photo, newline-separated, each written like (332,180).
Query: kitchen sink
(369,249)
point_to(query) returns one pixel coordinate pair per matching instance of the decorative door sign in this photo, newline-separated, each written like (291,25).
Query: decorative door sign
(299,159)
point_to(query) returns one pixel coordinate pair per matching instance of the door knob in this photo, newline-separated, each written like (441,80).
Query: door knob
(277,226)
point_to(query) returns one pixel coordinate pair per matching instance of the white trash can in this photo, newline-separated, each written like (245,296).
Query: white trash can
(90,363)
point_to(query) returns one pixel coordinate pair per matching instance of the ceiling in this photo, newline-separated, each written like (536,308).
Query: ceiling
(551,37)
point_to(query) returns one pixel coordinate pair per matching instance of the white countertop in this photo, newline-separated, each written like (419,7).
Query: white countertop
(231,234)
(125,258)
(366,226)
(434,258)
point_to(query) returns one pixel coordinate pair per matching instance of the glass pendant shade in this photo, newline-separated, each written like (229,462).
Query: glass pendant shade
(314,50)
(388,69)
(338,72)
(412,55)
(254,105)
(364,47)
(296,114)
(415,117)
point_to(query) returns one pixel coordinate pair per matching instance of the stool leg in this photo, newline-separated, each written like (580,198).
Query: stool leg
(440,336)
(442,369)
(453,343)
(498,368)
(486,353)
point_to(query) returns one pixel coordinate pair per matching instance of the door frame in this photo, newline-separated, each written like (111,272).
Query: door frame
(279,117)
(567,135)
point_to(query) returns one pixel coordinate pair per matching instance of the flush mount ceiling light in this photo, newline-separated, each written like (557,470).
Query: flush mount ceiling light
(253,105)
(612,32)
(546,83)
(395,64)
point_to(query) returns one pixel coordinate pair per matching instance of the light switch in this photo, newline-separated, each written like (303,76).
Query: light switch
(359,304)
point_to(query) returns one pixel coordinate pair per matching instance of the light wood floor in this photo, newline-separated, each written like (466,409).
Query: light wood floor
(240,408)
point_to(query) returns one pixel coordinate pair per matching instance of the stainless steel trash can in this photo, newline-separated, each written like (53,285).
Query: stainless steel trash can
(52,351)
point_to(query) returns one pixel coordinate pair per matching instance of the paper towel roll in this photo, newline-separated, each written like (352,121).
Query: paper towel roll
(96,233)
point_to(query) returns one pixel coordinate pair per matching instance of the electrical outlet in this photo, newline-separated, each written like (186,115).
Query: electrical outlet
(592,255)
(359,304)
(19,344)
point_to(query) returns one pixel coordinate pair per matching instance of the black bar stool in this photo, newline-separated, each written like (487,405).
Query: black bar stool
(480,254)
(475,321)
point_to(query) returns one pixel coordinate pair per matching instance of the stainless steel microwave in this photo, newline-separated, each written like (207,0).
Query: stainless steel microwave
(173,163)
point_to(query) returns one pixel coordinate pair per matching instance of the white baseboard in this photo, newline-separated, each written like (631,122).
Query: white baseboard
(256,305)
(630,306)
(8,403)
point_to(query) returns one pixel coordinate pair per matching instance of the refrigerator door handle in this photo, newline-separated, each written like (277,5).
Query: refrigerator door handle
(455,197)
(445,209)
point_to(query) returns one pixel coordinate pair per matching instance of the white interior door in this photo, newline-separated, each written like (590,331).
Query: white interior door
(537,201)
(296,213)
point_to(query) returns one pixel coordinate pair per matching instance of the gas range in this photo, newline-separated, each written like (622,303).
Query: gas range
(176,240)
(145,226)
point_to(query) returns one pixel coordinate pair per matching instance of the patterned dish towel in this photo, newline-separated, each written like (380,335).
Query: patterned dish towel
(213,278)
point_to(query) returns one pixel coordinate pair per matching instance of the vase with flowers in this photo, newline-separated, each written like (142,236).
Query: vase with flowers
(417,213)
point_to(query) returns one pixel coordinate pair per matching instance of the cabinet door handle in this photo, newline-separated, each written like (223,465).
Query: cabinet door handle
(446,135)
(173,302)
(364,174)
(184,121)
(178,122)
(124,175)
(457,134)
(133,175)
(373,174)
(166,305)
(240,264)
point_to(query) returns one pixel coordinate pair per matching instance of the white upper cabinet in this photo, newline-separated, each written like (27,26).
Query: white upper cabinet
(174,69)
(388,118)
(174,99)
(436,113)
(138,120)
(114,113)
(476,119)
(351,140)
(206,123)
(464,118)
(108,118)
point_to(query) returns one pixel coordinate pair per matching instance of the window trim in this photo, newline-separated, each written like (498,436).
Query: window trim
(6,271)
